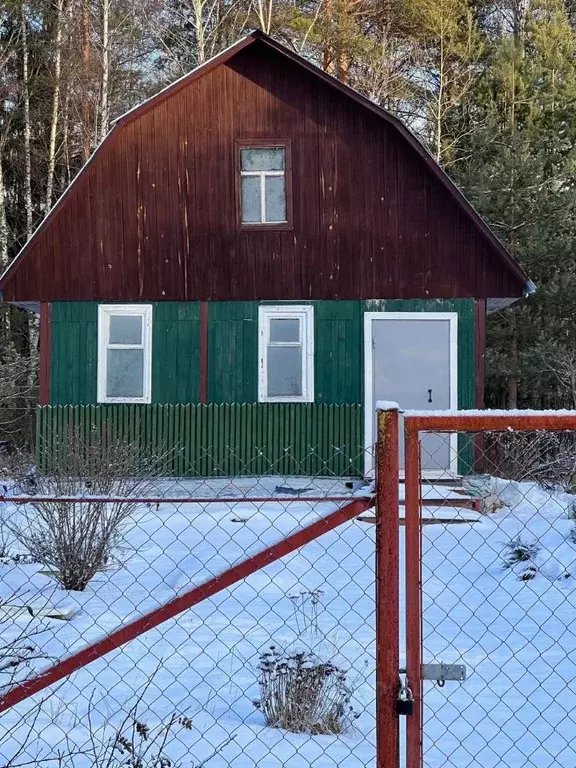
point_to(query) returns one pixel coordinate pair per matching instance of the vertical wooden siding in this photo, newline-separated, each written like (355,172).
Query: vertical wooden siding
(74,353)
(153,216)
(232,432)
(215,440)
(175,352)
(233,355)
(233,350)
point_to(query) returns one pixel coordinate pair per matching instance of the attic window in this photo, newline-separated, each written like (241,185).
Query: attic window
(265,188)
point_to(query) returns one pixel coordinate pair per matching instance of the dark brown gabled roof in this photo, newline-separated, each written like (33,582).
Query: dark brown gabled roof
(509,262)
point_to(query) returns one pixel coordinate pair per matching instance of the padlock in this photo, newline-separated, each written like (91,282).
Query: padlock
(404,701)
(404,707)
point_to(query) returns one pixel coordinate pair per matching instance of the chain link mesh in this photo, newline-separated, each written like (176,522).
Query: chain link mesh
(275,670)
(499,596)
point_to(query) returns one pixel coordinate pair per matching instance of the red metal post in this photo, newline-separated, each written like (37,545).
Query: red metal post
(387,591)
(414,724)
(192,597)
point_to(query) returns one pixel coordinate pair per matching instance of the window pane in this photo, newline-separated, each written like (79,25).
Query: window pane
(125,373)
(285,329)
(251,199)
(275,198)
(284,371)
(125,329)
(263,159)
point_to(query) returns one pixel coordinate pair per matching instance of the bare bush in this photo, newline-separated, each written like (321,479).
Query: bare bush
(86,504)
(548,458)
(18,378)
(302,694)
(6,537)
(137,745)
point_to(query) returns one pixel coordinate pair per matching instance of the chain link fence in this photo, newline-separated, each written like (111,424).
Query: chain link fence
(254,618)
(157,621)
(498,591)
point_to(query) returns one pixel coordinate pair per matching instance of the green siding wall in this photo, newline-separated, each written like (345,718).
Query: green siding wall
(233,350)
(338,351)
(74,353)
(175,352)
(215,440)
(225,437)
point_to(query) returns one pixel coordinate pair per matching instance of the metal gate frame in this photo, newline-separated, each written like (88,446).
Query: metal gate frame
(452,422)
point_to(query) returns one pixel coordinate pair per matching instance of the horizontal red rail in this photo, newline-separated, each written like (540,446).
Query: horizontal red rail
(181,603)
(180,500)
(460,422)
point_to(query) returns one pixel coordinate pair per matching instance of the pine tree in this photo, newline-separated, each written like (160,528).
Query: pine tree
(517,165)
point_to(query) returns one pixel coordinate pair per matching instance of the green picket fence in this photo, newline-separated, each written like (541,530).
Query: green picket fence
(219,440)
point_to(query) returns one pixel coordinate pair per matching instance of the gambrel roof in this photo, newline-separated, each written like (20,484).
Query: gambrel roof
(134,206)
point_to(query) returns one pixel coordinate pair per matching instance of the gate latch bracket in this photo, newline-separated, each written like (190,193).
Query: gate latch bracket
(443,672)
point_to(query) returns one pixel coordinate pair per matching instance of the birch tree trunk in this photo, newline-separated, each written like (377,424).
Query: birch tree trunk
(104,98)
(263,9)
(55,103)
(26,104)
(3,222)
(198,8)
(85,64)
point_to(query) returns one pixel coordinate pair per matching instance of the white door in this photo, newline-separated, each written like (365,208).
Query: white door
(412,360)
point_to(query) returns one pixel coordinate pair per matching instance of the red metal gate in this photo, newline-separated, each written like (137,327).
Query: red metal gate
(494,594)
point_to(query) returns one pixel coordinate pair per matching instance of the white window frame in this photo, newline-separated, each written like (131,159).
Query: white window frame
(105,311)
(305,314)
(262,176)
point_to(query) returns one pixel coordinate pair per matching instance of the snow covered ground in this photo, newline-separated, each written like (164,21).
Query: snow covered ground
(514,636)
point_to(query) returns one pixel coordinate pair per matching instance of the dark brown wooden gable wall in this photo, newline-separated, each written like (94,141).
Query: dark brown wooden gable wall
(153,215)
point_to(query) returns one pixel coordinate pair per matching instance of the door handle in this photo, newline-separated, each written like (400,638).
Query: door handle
(429,395)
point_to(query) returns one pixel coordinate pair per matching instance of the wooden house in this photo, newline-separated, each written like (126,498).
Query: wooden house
(251,259)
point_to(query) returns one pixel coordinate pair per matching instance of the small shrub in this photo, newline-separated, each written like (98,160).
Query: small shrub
(71,528)
(137,745)
(528,573)
(517,552)
(302,694)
